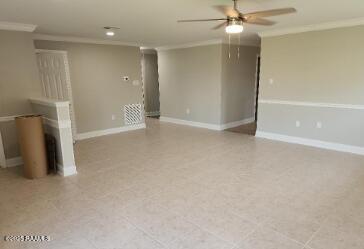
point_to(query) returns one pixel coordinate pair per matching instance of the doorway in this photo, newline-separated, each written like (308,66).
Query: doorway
(2,154)
(150,84)
(55,78)
(257,88)
(250,127)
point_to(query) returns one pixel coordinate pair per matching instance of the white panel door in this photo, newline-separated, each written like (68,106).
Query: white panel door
(55,78)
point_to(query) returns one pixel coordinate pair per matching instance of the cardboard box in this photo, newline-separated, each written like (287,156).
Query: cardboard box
(32,145)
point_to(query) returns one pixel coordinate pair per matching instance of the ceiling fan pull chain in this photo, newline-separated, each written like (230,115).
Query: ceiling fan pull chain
(239,47)
(229,46)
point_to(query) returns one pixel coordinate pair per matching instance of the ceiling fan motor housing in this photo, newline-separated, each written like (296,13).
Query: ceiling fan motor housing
(235,21)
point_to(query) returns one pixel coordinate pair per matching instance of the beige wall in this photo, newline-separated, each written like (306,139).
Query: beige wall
(19,81)
(10,139)
(150,80)
(97,81)
(238,82)
(322,66)
(190,78)
(217,89)
(19,73)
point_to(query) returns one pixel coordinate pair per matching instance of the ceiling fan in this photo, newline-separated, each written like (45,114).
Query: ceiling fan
(235,19)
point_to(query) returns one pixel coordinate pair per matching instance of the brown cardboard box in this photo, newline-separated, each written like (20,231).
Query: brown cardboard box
(32,145)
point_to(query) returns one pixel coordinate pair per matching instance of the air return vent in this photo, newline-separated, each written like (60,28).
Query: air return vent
(133,114)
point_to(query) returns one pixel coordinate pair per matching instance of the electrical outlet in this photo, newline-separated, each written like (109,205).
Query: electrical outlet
(271,81)
(188,110)
(319,125)
(113,117)
(126,78)
(298,124)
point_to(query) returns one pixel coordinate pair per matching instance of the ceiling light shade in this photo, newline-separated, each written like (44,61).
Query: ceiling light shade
(234,27)
(110,33)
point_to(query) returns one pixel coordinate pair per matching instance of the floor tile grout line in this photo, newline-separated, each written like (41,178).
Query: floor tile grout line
(324,221)
(143,231)
(285,236)
(259,226)
(209,232)
(188,221)
(316,232)
(307,247)
(252,232)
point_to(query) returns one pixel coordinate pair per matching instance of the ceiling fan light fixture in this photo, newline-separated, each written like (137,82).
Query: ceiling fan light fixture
(234,27)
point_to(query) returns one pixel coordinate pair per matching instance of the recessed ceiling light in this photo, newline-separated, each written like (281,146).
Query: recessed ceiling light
(110,33)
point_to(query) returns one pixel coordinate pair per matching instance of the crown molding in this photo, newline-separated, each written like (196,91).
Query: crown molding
(148,50)
(314,27)
(46,37)
(13,26)
(190,45)
(82,40)
(51,51)
(209,42)
(243,42)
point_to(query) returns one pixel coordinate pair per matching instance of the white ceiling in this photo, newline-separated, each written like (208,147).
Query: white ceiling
(153,23)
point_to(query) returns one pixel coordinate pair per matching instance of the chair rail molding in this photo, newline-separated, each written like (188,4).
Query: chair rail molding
(311,104)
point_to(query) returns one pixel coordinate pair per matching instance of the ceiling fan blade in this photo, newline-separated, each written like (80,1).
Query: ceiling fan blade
(220,25)
(260,21)
(203,20)
(274,12)
(227,10)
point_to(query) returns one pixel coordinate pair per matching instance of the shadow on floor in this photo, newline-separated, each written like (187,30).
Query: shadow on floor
(248,129)
(154,117)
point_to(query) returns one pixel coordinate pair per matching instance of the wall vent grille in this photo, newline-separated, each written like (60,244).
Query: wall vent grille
(133,114)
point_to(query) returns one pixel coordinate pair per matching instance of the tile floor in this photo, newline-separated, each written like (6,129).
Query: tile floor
(172,186)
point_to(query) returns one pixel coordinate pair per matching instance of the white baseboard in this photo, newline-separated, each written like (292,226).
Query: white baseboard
(66,171)
(214,127)
(312,142)
(86,135)
(15,161)
(152,114)
(191,123)
(237,123)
